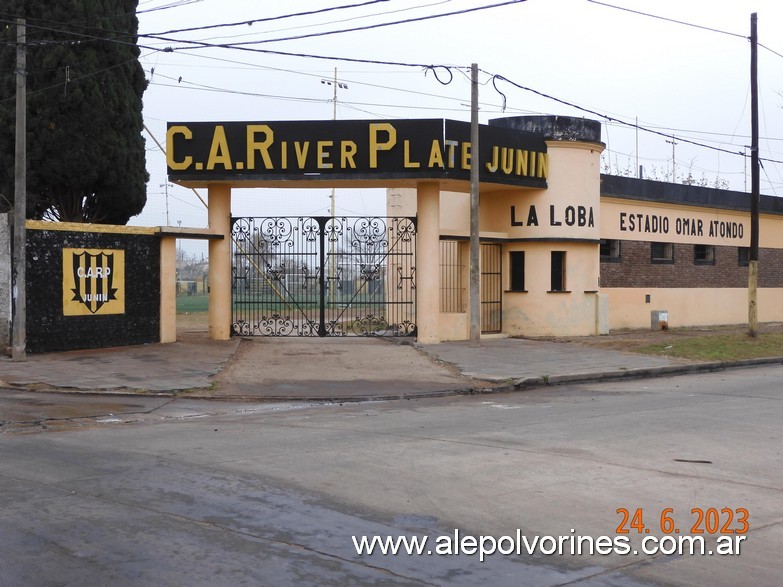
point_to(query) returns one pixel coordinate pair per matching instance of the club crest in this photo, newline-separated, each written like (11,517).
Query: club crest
(93,281)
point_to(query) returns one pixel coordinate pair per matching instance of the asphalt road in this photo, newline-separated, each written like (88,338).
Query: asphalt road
(98,490)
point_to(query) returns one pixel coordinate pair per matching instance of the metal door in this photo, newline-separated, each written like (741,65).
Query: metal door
(491,288)
(324,276)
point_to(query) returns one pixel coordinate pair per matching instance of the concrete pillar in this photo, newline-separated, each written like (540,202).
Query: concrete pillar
(428,263)
(168,289)
(219,215)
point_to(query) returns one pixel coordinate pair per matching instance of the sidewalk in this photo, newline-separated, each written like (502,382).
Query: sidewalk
(340,369)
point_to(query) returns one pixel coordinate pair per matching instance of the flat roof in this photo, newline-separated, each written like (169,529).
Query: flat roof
(646,190)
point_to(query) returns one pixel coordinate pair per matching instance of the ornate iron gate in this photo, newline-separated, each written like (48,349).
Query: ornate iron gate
(324,276)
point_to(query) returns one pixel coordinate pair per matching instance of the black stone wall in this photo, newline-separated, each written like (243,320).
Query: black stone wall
(49,330)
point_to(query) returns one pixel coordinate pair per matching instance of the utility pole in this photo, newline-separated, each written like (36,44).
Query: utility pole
(753,264)
(475,245)
(165,186)
(674,169)
(335,85)
(18,349)
(636,128)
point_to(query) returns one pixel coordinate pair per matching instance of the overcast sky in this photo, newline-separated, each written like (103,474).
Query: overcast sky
(674,77)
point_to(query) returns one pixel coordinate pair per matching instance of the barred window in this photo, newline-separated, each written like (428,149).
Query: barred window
(662,253)
(610,250)
(704,254)
(452,272)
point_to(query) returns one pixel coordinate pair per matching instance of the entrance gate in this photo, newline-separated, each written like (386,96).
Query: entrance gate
(323,276)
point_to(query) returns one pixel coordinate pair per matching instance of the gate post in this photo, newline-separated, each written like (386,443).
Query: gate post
(428,263)
(168,289)
(219,215)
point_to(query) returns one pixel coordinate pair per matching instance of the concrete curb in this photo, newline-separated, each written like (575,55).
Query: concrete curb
(522,384)
(641,373)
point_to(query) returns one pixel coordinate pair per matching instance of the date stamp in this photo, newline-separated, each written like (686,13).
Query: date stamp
(700,521)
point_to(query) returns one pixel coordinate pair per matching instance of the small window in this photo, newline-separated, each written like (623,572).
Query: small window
(517,262)
(703,254)
(558,271)
(610,251)
(743,256)
(662,253)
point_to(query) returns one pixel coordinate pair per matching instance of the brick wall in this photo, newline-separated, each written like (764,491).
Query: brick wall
(635,268)
(48,329)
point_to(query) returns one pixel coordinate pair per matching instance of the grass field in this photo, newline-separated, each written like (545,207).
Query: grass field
(724,347)
(192,304)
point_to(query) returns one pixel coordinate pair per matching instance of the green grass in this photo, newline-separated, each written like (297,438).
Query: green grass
(192,304)
(722,347)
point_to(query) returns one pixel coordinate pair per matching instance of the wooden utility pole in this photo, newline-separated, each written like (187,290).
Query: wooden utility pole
(753,264)
(475,246)
(18,348)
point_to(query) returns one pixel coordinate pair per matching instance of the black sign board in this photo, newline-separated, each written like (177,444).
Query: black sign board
(434,149)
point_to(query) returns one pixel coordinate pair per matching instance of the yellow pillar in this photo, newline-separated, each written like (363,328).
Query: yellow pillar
(168,289)
(428,262)
(219,215)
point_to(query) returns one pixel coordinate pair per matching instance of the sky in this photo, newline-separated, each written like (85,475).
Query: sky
(681,71)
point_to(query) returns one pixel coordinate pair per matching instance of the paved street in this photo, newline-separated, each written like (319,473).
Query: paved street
(163,491)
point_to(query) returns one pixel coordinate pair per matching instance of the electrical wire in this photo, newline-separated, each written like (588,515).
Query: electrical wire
(349,30)
(268,19)
(614,119)
(434,68)
(682,22)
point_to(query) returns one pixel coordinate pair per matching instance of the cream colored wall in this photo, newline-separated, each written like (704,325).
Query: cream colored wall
(540,313)
(687,307)
(568,209)
(401,202)
(567,214)
(168,289)
(454,326)
(617,224)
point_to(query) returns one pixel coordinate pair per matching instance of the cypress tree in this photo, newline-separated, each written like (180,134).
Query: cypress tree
(84,122)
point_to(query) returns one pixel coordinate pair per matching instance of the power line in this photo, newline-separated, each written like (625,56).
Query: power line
(268,19)
(335,32)
(613,119)
(176,4)
(682,22)
(434,68)
(337,21)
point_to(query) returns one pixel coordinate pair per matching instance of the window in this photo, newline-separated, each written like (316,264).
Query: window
(743,256)
(452,276)
(558,271)
(517,263)
(703,254)
(610,251)
(662,253)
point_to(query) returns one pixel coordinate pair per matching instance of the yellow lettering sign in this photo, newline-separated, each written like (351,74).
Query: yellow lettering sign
(301,153)
(322,154)
(253,145)
(436,155)
(522,157)
(377,128)
(347,153)
(170,160)
(543,165)
(218,152)
(407,159)
(466,156)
